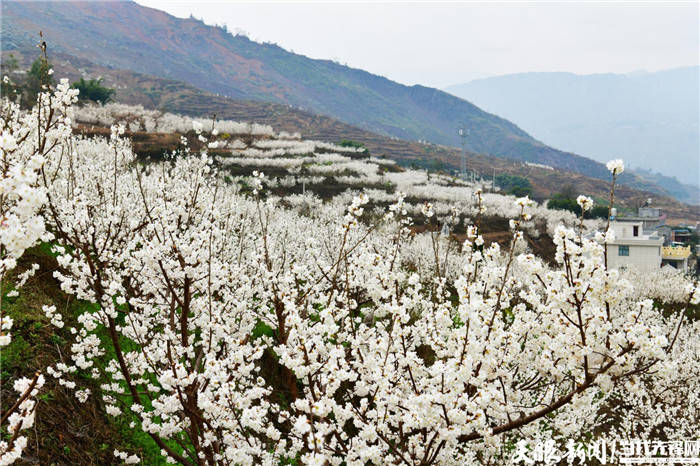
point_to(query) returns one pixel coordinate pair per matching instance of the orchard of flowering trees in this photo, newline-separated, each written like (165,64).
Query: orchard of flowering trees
(237,328)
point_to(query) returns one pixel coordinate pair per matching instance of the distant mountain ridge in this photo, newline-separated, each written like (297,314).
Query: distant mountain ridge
(125,35)
(648,118)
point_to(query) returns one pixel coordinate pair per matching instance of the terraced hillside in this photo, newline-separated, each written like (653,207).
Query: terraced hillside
(154,133)
(178,97)
(125,35)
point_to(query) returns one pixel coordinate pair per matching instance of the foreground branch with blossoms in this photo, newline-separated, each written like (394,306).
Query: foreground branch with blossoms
(26,140)
(240,331)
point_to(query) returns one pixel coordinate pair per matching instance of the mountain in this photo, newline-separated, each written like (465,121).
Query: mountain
(179,97)
(125,35)
(649,119)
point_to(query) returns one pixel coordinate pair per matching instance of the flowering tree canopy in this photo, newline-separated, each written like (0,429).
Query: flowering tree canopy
(240,330)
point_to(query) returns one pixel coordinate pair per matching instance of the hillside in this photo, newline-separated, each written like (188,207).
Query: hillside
(125,35)
(167,95)
(649,119)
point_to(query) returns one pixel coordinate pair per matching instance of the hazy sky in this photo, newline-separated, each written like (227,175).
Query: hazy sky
(438,44)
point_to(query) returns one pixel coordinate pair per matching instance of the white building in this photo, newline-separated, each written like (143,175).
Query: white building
(633,248)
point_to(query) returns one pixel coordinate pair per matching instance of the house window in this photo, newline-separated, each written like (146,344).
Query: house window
(623,251)
(635,230)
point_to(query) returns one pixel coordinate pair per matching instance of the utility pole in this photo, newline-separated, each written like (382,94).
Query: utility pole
(302,173)
(463,132)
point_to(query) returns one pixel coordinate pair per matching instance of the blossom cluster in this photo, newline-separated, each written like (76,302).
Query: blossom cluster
(137,118)
(26,140)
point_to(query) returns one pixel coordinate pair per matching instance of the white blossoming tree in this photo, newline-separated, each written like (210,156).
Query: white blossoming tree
(26,139)
(238,331)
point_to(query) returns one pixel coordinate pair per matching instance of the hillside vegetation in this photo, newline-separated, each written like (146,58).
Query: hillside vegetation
(126,35)
(157,93)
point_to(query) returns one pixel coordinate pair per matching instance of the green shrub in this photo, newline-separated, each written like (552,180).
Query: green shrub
(355,144)
(93,90)
(514,184)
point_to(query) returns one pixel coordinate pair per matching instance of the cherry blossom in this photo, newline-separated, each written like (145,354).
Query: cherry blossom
(249,328)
